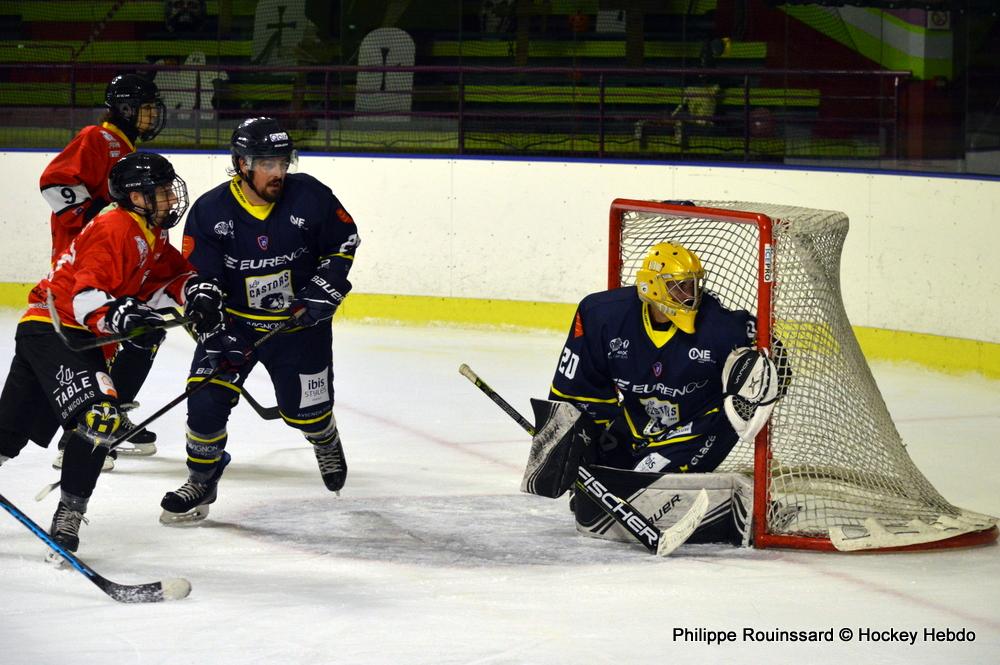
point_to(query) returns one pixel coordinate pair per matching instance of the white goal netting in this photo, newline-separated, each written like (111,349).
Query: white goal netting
(838,467)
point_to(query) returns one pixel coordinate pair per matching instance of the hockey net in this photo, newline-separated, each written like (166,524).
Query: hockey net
(830,471)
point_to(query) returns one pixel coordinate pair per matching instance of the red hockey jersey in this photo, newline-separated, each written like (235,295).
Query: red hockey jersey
(116,255)
(75,183)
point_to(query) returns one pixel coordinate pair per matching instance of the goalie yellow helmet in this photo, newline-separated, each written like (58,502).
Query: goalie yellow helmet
(671,280)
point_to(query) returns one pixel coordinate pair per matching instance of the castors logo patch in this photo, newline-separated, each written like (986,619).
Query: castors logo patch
(662,415)
(270,292)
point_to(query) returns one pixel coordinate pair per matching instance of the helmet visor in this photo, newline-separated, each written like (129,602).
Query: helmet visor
(273,164)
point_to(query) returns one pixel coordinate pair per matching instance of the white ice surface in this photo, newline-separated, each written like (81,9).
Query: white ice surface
(432,556)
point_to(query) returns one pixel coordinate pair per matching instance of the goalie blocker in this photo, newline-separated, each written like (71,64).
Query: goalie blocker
(563,440)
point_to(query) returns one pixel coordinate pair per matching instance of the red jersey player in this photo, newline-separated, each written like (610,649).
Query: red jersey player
(75,185)
(109,280)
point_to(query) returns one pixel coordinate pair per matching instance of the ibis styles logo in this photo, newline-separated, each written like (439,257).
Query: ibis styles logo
(315,388)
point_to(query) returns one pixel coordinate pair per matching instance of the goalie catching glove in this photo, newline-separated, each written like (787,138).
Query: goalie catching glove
(127,315)
(322,295)
(750,387)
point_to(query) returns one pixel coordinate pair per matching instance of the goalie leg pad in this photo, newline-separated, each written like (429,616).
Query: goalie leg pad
(665,498)
(563,440)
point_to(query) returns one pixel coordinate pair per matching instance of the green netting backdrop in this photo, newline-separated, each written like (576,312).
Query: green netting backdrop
(674,78)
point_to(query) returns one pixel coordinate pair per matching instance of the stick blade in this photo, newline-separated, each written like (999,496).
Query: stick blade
(45,491)
(154,592)
(677,535)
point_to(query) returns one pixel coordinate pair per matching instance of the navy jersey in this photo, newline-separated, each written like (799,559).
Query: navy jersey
(262,255)
(621,370)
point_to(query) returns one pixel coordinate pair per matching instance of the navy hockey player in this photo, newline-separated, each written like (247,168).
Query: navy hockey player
(265,243)
(647,361)
(655,381)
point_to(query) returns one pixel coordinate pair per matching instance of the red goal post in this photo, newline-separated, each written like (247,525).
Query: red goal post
(830,470)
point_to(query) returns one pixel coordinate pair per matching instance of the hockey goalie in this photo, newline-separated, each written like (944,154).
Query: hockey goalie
(655,385)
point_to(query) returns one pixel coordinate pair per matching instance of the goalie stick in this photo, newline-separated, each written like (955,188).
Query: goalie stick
(221,369)
(467,372)
(659,542)
(173,588)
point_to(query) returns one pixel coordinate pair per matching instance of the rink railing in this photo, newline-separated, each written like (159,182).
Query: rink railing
(742,114)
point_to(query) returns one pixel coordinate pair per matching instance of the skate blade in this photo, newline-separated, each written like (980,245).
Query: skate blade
(192,516)
(107,465)
(136,449)
(55,560)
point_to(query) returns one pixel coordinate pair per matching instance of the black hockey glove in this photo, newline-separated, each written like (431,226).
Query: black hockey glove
(127,315)
(320,298)
(225,350)
(203,305)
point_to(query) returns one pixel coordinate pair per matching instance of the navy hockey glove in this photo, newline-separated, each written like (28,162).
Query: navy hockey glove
(203,305)
(320,298)
(127,315)
(224,350)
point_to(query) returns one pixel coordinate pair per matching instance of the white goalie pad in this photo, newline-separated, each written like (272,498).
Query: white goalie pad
(666,498)
(875,534)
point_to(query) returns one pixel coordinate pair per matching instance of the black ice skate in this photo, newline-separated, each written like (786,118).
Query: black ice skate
(140,444)
(65,530)
(332,464)
(189,503)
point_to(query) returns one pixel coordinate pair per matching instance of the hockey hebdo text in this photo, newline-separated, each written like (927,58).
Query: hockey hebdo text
(861,634)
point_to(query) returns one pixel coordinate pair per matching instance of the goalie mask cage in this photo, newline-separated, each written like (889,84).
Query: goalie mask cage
(830,471)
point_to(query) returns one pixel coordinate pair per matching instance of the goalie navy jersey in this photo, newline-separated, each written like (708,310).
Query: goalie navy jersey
(262,255)
(620,370)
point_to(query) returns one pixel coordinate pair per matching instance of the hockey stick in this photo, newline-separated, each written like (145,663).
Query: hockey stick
(659,542)
(106,339)
(467,372)
(221,369)
(173,588)
(265,412)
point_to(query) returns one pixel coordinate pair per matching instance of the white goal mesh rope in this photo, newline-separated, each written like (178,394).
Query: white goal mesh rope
(837,456)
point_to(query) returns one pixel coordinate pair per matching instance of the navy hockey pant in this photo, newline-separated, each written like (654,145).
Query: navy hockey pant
(300,365)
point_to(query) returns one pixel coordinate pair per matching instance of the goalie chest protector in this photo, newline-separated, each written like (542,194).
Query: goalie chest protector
(663,377)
